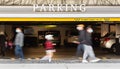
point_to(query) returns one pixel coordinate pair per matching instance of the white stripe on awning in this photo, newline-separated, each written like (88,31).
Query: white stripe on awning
(57,15)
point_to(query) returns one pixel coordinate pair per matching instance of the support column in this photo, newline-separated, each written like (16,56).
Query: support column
(9,32)
(104,29)
(117,30)
(2,28)
(62,33)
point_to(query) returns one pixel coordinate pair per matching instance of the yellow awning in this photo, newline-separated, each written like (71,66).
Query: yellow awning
(60,19)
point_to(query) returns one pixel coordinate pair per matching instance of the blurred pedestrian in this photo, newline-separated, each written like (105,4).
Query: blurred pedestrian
(49,46)
(88,50)
(19,42)
(2,43)
(81,38)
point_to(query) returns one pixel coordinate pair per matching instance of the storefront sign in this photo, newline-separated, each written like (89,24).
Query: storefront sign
(59,8)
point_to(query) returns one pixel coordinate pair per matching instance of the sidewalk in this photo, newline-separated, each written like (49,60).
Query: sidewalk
(58,64)
(63,61)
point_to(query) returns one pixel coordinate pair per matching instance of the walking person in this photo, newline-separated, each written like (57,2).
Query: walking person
(80,47)
(2,43)
(49,46)
(88,50)
(19,42)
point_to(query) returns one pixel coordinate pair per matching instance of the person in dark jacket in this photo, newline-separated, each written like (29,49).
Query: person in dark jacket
(88,50)
(80,48)
(2,43)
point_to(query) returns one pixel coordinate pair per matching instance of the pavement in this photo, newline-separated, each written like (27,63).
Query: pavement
(62,61)
(68,53)
(61,66)
(58,64)
(62,55)
(64,58)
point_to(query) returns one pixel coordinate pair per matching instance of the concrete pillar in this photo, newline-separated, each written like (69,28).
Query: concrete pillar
(62,32)
(117,30)
(104,29)
(2,28)
(9,32)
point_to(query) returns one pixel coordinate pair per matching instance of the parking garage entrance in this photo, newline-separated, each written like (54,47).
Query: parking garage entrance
(63,29)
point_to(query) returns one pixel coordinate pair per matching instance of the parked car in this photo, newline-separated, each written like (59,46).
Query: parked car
(109,41)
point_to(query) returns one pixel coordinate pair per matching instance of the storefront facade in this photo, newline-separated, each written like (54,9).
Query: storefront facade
(58,12)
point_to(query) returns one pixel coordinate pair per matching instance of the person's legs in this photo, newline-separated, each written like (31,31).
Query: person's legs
(3,51)
(46,57)
(0,50)
(80,50)
(17,51)
(21,53)
(85,54)
(50,55)
(92,55)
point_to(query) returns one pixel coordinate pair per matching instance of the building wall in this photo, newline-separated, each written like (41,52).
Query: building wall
(87,2)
